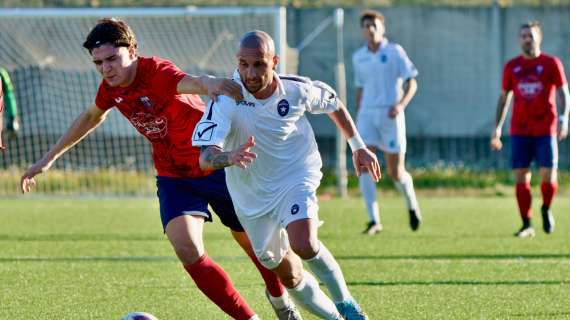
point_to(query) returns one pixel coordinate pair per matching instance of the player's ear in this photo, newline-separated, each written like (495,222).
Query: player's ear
(275,61)
(132,52)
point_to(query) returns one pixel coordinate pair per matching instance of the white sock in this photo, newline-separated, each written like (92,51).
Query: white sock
(406,187)
(325,267)
(279,302)
(255,317)
(368,189)
(309,295)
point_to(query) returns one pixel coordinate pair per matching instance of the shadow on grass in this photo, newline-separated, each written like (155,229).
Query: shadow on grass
(556,315)
(512,256)
(459,283)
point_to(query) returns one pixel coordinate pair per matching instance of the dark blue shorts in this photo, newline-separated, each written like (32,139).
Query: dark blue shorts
(543,149)
(181,196)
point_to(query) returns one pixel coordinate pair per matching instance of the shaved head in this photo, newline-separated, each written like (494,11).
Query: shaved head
(258,40)
(256,63)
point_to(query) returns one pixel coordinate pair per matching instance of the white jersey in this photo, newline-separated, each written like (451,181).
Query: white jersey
(381,75)
(285,145)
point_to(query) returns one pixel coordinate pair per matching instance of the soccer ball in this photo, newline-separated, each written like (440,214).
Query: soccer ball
(139,316)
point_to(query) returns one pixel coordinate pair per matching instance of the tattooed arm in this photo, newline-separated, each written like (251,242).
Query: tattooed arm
(214,158)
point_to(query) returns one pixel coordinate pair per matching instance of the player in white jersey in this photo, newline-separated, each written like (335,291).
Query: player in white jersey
(273,177)
(385,83)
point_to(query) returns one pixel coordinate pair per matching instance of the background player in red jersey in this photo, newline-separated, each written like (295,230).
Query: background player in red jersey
(162,103)
(535,79)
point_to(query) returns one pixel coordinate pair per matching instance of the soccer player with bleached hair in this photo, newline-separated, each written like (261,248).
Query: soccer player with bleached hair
(272,163)
(385,81)
(162,103)
(535,80)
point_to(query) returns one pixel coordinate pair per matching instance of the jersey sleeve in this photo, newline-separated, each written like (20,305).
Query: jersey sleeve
(357,77)
(103,99)
(167,77)
(215,124)
(559,75)
(406,67)
(507,82)
(322,98)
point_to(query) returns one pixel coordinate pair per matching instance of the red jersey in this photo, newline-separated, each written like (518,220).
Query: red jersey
(167,119)
(534,83)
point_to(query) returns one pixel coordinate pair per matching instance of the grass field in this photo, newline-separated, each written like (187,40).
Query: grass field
(102,258)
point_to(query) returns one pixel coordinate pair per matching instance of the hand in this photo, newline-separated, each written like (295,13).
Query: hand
(27,181)
(365,160)
(496,143)
(12,128)
(395,110)
(222,86)
(562,131)
(241,156)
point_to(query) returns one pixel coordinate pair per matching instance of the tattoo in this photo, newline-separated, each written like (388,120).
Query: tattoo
(213,157)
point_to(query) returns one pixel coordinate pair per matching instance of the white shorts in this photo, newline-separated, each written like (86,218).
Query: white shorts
(379,130)
(267,233)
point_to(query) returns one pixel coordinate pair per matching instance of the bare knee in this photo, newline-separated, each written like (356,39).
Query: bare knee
(188,253)
(290,270)
(306,248)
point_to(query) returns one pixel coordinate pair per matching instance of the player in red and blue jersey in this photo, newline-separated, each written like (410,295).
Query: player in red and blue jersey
(535,80)
(162,103)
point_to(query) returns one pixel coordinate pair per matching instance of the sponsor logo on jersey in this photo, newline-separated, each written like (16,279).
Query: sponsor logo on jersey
(204,131)
(283,107)
(151,126)
(530,88)
(295,209)
(245,103)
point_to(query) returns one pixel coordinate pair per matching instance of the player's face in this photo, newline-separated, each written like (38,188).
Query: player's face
(530,39)
(115,64)
(373,30)
(256,68)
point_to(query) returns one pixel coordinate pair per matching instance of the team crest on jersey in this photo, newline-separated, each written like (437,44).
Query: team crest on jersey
(539,69)
(283,107)
(295,209)
(383,58)
(517,69)
(146,102)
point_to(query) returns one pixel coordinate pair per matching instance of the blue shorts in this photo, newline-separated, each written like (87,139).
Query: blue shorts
(191,196)
(543,149)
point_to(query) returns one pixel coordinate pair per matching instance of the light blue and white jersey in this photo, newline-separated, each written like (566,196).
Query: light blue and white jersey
(381,75)
(285,145)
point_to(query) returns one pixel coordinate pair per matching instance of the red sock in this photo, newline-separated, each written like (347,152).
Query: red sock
(548,191)
(271,280)
(213,281)
(524,199)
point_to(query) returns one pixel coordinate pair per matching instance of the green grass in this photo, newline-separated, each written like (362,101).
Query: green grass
(102,258)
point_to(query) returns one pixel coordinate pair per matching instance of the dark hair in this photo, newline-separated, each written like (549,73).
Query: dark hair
(112,31)
(532,24)
(370,15)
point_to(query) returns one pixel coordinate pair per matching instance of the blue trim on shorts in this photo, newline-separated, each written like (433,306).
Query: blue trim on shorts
(525,149)
(179,196)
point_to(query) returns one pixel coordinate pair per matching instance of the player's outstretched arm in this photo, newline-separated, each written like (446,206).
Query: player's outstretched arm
(502,109)
(564,101)
(363,159)
(211,86)
(79,129)
(214,158)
